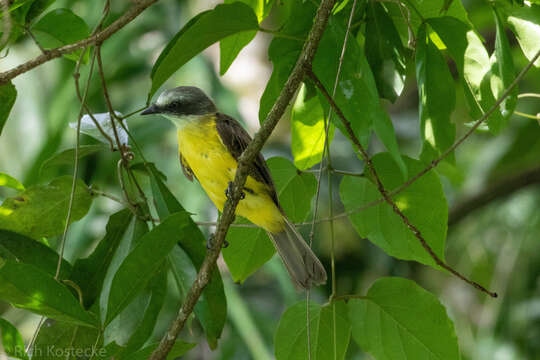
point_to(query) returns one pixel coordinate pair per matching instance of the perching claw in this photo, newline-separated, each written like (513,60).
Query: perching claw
(210,242)
(228,191)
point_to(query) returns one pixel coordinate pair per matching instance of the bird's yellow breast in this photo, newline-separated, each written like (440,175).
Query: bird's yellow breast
(214,167)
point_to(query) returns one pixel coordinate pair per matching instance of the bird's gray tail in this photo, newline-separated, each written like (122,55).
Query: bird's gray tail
(302,264)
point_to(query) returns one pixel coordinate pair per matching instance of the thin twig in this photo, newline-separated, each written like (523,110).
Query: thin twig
(248,156)
(31,34)
(281,35)
(528,116)
(387,198)
(122,21)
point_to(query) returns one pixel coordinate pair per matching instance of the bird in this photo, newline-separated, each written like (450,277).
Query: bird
(209,144)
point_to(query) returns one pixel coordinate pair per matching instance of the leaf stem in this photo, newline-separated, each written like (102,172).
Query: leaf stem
(281,35)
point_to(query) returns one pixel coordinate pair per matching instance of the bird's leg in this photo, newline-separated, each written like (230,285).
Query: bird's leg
(210,242)
(228,191)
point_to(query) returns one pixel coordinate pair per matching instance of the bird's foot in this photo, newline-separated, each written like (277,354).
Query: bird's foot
(228,191)
(210,242)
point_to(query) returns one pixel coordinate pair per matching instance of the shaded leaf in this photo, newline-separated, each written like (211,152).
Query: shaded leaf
(356,93)
(202,31)
(37,8)
(10,182)
(27,287)
(8,94)
(437,96)
(398,320)
(384,52)
(307,131)
(25,212)
(12,342)
(144,261)
(67,157)
(60,27)
(179,348)
(290,340)
(211,309)
(230,47)
(23,249)
(89,273)
(57,340)
(423,203)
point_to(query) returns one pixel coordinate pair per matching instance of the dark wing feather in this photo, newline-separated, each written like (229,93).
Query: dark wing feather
(236,139)
(188,173)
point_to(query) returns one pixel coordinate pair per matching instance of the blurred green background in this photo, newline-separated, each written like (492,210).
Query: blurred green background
(497,245)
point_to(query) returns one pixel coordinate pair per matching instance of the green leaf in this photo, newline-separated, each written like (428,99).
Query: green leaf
(37,8)
(503,74)
(10,182)
(524,21)
(384,52)
(202,31)
(211,309)
(398,320)
(475,66)
(41,210)
(437,96)
(12,342)
(27,287)
(284,52)
(22,249)
(356,93)
(60,27)
(423,203)
(57,340)
(290,340)
(179,348)
(67,157)
(144,261)
(250,248)
(230,47)
(8,94)
(158,289)
(89,273)
(307,131)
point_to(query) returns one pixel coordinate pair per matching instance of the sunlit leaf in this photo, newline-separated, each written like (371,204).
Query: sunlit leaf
(307,131)
(524,21)
(202,31)
(230,47)
(10,182)
(398,320)
(8,94)
(12,341)
(41,210)
(27,287)
(290,341)
(423,203)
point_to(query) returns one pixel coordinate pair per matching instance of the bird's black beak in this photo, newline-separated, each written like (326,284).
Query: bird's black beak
(152,109)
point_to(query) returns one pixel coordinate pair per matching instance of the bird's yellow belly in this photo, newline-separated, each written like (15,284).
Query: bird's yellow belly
(214,167)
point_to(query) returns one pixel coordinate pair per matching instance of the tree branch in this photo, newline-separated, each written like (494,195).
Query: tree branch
(386,196)
(500,189)
(248,156)
(99,37)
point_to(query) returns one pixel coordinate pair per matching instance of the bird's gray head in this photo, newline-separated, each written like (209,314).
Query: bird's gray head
(181,103)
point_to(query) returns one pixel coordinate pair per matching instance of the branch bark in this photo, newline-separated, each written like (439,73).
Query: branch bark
(493,192)
(99,37)
(248,156)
